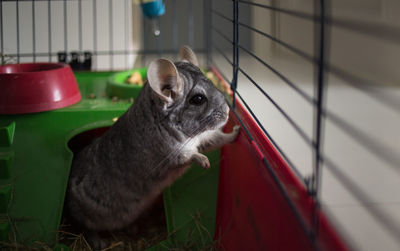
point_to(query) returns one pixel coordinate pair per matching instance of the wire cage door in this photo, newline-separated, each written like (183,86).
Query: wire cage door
(248,198)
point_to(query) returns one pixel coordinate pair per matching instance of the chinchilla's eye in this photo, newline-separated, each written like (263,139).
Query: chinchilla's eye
(198,99)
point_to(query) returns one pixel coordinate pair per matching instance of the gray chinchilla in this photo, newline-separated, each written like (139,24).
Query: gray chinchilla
(178,115)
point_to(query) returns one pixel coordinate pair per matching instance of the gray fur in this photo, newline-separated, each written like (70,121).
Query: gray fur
(120,174)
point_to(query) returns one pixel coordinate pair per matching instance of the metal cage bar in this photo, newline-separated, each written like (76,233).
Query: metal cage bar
(2,31)
(111,34)
(321,34)
(33,31)
(18,32)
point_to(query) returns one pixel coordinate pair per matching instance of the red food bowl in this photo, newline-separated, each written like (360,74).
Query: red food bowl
(36,87)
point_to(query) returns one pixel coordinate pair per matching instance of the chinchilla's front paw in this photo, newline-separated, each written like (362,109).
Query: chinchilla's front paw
(201,160)
(236,129)
(235,132)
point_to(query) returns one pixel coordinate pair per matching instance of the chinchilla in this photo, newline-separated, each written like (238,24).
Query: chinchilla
(177,116)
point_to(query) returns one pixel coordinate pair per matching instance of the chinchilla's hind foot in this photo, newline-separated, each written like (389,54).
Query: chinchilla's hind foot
(95,241)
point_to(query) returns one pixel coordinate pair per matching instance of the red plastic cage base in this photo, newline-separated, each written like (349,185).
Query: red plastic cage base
(252,212)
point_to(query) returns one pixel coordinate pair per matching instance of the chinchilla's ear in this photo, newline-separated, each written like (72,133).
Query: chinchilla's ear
(186,54)
(163,78)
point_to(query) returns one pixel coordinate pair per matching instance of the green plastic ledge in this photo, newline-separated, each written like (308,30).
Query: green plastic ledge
(5,165)
(7,135)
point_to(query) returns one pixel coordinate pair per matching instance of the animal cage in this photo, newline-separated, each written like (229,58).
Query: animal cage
(314,86)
